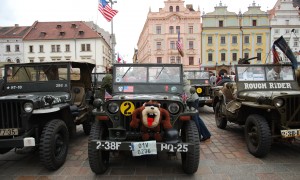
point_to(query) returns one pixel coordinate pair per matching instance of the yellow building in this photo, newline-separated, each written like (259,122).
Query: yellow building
(227,37)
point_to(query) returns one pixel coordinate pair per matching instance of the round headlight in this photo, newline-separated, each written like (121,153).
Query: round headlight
(113,107)
(173,108)
(278,102)
(28,107)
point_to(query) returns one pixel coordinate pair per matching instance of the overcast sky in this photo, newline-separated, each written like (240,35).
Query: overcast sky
(127,24)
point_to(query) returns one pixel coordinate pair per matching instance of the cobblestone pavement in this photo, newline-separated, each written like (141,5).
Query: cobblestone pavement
(225,156)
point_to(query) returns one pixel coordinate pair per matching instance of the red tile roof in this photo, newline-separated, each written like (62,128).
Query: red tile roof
(14,31)
(60,30)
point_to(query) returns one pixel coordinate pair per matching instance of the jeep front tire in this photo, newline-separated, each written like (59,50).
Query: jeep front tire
(258,135)
(54,142)
(98,159)
(190,159)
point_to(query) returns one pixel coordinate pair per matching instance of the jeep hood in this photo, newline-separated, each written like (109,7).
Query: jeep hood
(37,96)
(148,97)
(248,95)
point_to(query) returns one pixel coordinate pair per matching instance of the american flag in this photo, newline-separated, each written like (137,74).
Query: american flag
(179,45)
(106,10)
(128,89)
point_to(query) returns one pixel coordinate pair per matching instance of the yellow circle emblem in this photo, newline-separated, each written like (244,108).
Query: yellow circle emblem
(199,90)
(127,108)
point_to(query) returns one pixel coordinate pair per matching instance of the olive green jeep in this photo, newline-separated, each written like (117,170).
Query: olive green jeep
(263,100)
(146,114)
(42,103)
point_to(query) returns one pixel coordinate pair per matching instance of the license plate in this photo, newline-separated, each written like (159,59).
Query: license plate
(290,133)
(143,148)
(9,132)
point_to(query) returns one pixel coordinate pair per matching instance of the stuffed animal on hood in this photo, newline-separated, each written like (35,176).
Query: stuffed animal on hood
(151,116)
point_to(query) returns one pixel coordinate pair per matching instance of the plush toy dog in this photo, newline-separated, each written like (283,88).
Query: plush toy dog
(151,115)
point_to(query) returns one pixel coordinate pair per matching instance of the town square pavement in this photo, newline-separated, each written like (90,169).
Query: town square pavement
(225,156)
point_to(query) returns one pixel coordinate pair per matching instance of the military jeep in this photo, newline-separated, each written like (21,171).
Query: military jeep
(134,85)
(267,107)
(41,105)
(200,81)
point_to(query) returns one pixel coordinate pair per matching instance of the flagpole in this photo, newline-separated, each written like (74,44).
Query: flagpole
(113,42)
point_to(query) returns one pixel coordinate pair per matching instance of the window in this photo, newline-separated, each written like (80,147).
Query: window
(191,44)
(210,56)
(287,31)
(17,48)
(178,60)
(223,40)
(234,56)
(287,22)
(41,48)
(171,8)
(158,45)
(276,31)
(246,55)
(171,30)
(177,8)
(209,40)
(85,47)
(172,45)
(220,23)
(296,42)
(191,29)
(253,22)
(159,60)
(258,56)
(31,49)
(177,29)
(158,29)
(191,60)
(67,47)
(223,56)
(172,60)
(234,39)
(57,48)
(7,48)
(259,39)
(246,39)
(52,48)
(296,31)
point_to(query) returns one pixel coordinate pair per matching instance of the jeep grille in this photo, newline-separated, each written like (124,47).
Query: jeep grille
(292,114)
(10,114)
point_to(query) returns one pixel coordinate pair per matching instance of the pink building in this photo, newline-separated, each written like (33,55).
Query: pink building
(158,40)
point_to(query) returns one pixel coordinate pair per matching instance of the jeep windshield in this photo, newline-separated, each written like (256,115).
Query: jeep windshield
(265,73)
(31,77)
(147,78)
(196,74)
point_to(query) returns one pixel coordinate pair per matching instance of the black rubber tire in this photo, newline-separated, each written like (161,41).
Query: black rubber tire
(53,147)
(98,159)
(221,121)
(87,125)
(190,159)
(258,135)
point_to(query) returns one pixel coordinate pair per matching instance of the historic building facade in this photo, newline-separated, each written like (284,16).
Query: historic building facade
(227,37)
(284,20)
(157,41)
(11,43)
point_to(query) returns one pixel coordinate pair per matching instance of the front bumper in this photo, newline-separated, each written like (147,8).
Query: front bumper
(129,146)
(17,142)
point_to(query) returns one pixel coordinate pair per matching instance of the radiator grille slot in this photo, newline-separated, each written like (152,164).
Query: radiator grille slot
(10,114)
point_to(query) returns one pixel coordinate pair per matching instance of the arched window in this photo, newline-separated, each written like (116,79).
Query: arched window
(172,60)
(171,8)
(8,60)
(17,60)
(177,8)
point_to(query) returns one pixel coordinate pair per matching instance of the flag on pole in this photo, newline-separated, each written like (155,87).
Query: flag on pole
(106,10)
(107,96)
(179,45)
(276,58)
(119,59)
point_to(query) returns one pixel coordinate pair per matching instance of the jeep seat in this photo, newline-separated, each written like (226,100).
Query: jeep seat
(78,94)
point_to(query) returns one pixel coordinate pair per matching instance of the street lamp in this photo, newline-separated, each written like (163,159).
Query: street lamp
(113,40)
